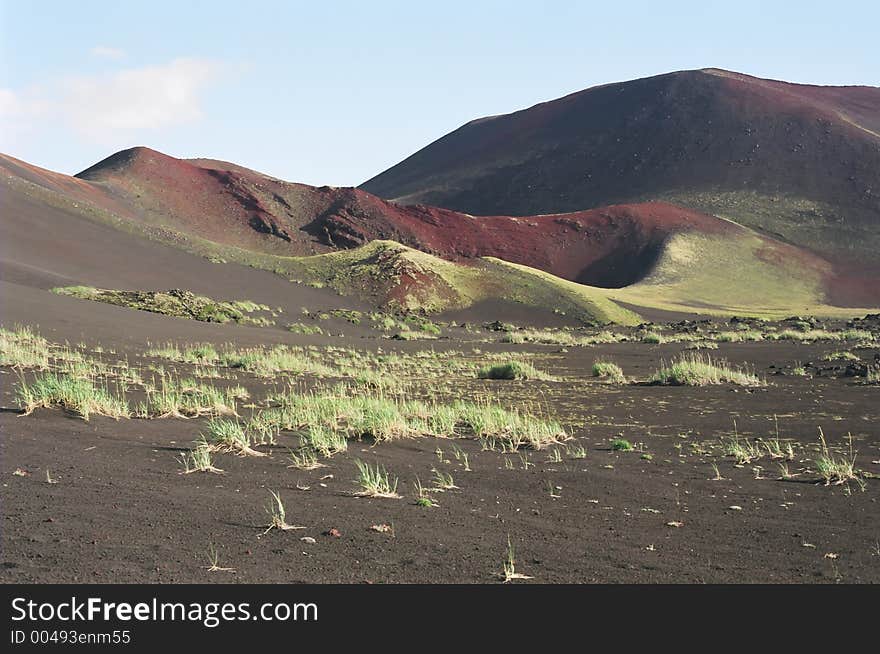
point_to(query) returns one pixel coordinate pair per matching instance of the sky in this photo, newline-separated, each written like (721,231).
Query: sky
(336,92)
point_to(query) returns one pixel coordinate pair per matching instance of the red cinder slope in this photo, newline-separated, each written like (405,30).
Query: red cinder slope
(609,247)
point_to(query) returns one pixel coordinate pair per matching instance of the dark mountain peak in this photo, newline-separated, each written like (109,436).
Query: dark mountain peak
(794,160)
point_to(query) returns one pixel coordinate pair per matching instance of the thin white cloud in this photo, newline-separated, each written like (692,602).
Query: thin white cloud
(106,52)
(148,98)
(110,108)
(20,112)
(10,104)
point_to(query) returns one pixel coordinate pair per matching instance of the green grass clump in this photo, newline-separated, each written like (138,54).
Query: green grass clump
(700,370)
(378,380)
(508,571)
(621,445)
(740,336)
(173,398)
(609,371)
(80,396)
(811,335)
(834,468)
(204,354)
(383,322)
(305,459)
(354,317)
(83,292)
(410,335)
(374,415)
(23,348)
(498,427)
(325,441)
(419,324)
(558,337)
(512,370)
(840,356)
(267,362)
(604,336)
(176,302)
(701,345)
(375,481)
(545,336)
(225,435)
(249,306)
(654,338)
(302,328)
(742,450)
(201,354)
(199,459)
(430,328)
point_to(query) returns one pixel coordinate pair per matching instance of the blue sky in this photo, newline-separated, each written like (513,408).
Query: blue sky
(335,92)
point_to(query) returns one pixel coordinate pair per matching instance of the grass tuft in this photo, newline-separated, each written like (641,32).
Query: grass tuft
(621,445)
(695,369)
(375,481)
(278,515)
(225,435)
(22,348)
(509,572)
(834,468)
(512,370)
(305,459)
(199,459)
(609,371)
(77,395)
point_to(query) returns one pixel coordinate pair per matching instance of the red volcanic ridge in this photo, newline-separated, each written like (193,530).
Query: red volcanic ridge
(225,206)
(610,246)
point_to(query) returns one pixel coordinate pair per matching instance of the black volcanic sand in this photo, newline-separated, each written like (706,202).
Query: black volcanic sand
(121,512)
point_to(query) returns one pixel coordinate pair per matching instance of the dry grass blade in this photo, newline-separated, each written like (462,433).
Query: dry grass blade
(278,515)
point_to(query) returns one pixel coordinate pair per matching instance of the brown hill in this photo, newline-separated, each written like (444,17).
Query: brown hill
(801,162)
